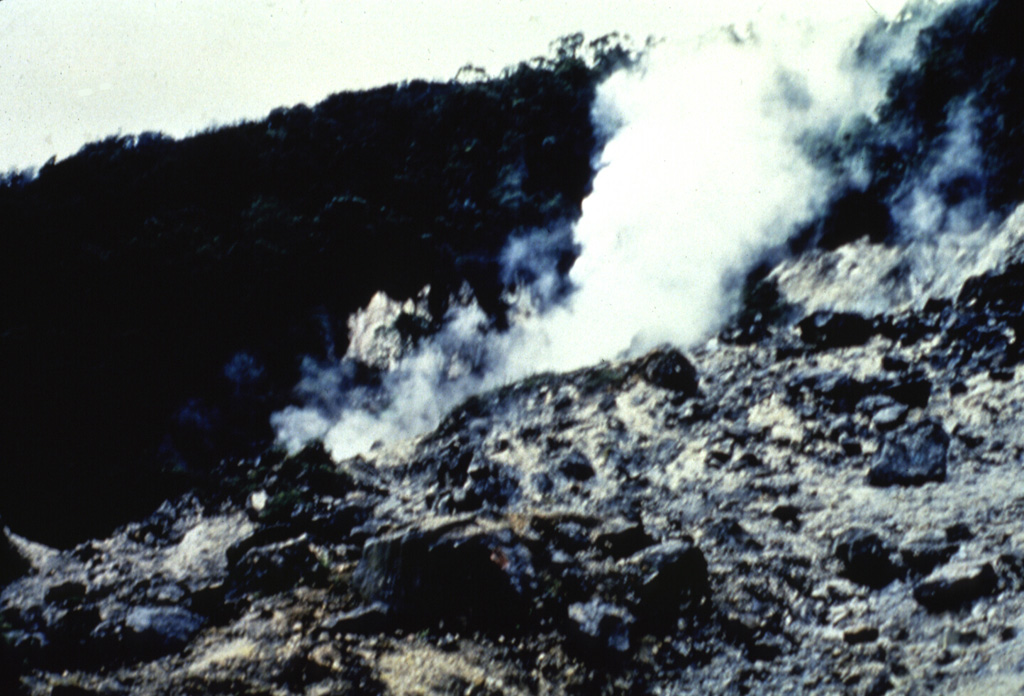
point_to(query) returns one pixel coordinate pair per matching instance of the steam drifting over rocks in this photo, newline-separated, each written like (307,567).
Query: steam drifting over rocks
(816,492)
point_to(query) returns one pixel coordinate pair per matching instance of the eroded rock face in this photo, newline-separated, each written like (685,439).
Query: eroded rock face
(383,331)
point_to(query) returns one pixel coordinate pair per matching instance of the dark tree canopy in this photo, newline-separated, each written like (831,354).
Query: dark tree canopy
(136,269)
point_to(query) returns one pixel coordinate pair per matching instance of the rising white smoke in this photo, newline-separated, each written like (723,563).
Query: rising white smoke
(945,233)
(702,177)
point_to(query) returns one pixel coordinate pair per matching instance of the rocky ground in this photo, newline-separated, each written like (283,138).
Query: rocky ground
(827,503)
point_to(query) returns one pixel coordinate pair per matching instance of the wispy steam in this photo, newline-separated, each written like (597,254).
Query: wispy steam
(702,178)
(945,232)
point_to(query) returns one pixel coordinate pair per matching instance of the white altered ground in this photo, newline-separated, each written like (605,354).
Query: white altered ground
(874,278)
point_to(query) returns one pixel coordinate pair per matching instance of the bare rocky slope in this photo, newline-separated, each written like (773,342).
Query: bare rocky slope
(823,498)
(833,508)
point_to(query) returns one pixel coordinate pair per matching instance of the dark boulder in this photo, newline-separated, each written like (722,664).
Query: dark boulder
(621,538)
(66,594)
(332,520)
(788,515)
(826,330)
(669,369)
(488,484)
(865,558)
(577,466)
(914,457)
(270,534)
(453,570)
(912,391)
(370,618)
(276,567)
(921,556)
(894,363)
(955,589)
(840,392)
(998,290)
(959,531)
(907,329)
(672,578)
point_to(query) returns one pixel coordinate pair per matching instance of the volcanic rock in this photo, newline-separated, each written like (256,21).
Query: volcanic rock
(673,577)
(622,528)
(455,569)
(669,369)
(160,630)
(914,457)
(577,466)
(914,392)
(827,330)
(276,567)
(955,587)
(865,558)
(620,538)
(922,555)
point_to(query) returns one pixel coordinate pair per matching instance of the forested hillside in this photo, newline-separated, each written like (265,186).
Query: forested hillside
(159,295)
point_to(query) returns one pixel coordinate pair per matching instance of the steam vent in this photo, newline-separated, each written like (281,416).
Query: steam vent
(677,367)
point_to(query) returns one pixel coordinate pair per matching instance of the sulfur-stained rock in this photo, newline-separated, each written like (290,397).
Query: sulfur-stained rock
(12,563)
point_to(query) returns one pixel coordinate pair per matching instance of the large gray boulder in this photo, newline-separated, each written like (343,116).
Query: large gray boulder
(915,457)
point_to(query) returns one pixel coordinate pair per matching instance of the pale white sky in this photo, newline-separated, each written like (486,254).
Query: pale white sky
(72,71)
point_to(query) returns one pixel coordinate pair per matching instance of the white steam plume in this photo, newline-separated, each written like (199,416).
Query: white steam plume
(702,176)
(945,233)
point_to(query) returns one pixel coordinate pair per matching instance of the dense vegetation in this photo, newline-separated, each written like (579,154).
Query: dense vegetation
(972,56)
(968,67)
(160,294)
